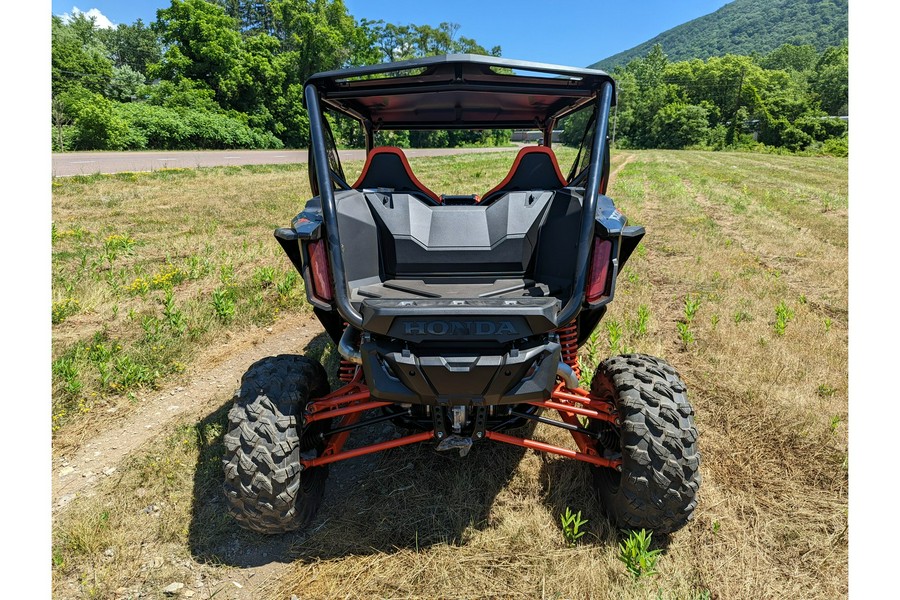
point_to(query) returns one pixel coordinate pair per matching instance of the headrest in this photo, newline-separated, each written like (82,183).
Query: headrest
(387,167)
(535,168)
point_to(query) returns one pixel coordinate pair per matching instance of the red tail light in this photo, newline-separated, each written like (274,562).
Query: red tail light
(321,275)
(599,269)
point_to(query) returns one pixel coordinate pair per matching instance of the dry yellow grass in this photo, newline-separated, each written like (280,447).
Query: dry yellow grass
(739,233)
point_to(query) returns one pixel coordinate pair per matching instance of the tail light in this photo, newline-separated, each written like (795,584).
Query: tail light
(599,270)
(321,275)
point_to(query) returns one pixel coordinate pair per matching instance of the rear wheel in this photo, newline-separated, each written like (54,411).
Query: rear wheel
(264,485)
(656,441)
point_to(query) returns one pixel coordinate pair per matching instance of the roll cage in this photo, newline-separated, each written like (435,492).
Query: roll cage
(457,92)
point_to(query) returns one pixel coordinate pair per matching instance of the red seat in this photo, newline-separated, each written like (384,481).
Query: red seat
(535,168)
(387,167)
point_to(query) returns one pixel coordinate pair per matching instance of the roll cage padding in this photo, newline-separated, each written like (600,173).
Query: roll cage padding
(387,167)
(535,168)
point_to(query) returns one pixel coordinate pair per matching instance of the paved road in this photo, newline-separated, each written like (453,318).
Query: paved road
(89,163)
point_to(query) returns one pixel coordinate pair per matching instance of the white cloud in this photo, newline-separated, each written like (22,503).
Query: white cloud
(100,20)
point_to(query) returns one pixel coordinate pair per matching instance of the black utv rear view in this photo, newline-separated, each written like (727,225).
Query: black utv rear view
(460,317)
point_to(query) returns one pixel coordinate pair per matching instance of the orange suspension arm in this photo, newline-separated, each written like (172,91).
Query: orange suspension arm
(535,445)
(330,458)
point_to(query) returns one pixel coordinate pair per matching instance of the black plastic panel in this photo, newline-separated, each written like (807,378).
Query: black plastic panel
(501,376)
(446,320)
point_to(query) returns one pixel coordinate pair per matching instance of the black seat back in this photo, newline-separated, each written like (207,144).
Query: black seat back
(387,167)
(534,169)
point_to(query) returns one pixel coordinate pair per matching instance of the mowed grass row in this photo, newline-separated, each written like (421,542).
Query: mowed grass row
(741,283)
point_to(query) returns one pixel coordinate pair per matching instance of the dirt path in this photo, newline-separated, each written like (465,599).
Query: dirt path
(216,374)
(612,176)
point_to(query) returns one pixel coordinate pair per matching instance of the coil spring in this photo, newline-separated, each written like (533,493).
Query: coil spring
(568,339)
(346,371)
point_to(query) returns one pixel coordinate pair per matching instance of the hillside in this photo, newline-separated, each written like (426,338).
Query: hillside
(745,27)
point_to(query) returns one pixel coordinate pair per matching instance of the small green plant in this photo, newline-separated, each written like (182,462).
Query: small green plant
(114,245)
(714,321)
(264,277)
(741,316)
(716,526)
(223,304)
(66,370)
(825,391)
(197,267)
(614,336)
(133,374)
(174,317)
(64,309)
(571,526)
(828,323)
(835,421)
(636,555)
(226,274)
(152,331)
(783,315)
(685,333)
(639,327)
(691,306)
(285,286)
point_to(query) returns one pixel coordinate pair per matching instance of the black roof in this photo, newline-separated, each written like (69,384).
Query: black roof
(459,91)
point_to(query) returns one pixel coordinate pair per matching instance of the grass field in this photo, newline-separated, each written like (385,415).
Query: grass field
(741,283)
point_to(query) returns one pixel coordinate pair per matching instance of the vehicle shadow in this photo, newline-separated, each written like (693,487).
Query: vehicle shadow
(408,497)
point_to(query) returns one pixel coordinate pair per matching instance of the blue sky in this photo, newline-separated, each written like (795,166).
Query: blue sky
(582,32)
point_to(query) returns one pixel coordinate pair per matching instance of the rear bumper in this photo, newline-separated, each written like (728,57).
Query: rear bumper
(395,373)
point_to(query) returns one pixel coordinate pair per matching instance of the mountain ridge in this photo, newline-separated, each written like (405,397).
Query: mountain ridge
(746,27)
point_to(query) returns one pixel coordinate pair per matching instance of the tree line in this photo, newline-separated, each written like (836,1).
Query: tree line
(787,100)
(224,74)
(230,74)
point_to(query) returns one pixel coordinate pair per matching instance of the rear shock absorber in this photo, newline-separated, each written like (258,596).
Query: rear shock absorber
(347,369)
(568,339)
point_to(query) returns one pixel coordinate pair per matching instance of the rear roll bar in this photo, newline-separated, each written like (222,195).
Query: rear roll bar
(329,209)
(589,206)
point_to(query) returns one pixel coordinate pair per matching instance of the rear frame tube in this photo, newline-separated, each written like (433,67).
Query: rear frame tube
(329,209)
(589,205)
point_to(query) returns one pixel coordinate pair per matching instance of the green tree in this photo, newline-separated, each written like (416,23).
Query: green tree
(643,93)
(202,43)
(125,84)
(134,46)
(789,57)
(404,42)
(78,57)
(678,125)
(254,16)
(830,82)
(317,31)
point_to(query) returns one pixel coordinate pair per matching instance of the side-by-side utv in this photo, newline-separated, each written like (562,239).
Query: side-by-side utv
(459,318)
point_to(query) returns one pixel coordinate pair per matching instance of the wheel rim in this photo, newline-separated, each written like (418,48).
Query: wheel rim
(609,445)
(609,439)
